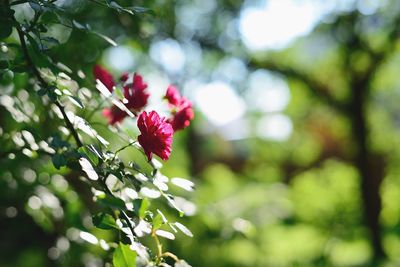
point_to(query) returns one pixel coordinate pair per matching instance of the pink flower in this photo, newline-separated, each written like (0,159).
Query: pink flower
(173,95)
(135,93)
(104,76)
(182,118)
(156,135)
(114,114)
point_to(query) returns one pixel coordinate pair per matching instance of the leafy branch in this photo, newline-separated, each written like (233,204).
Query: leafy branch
(68,123)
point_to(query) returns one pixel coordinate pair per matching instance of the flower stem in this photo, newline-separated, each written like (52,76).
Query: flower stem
(159,247)
(122,148)
(171,255)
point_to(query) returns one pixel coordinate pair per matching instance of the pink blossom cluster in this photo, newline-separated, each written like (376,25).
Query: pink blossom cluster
(180,107)
(156,132)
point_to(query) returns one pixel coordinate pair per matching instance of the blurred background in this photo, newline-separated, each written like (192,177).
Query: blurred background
(294,148)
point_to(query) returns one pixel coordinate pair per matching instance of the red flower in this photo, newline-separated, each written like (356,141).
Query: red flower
(173,95)
(183,116)
(124,77)
(104,76)
(181,109)
(135,93)
(184,103)
(138,82)
(114,114)
(156,135)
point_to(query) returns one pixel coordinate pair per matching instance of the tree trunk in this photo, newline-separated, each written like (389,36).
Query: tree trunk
(371,178)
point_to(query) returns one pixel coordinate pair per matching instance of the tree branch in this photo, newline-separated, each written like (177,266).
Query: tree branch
(36,72)
(316,87)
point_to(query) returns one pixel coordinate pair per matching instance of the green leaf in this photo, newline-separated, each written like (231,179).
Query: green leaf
(183,183)
(141,206)
(78,25)
(46,19)
(52,95)
(51,40)
(35,49)
(116,6)
(42,92)
(140,9)
(49,6)
(157,222)
(183,229)
(118,92)
(104,221)
(87,27)
(111,202)
(93,149)
(35,6)
(58,161)
(124,256)
(33,44)
(90,154)
(162,216)
(106,38)
(76,101)
(171,201)
(165,234)
(88,169)
(57,142)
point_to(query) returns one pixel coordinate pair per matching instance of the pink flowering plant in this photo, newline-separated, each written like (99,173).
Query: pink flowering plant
(130,198)
(155,139)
